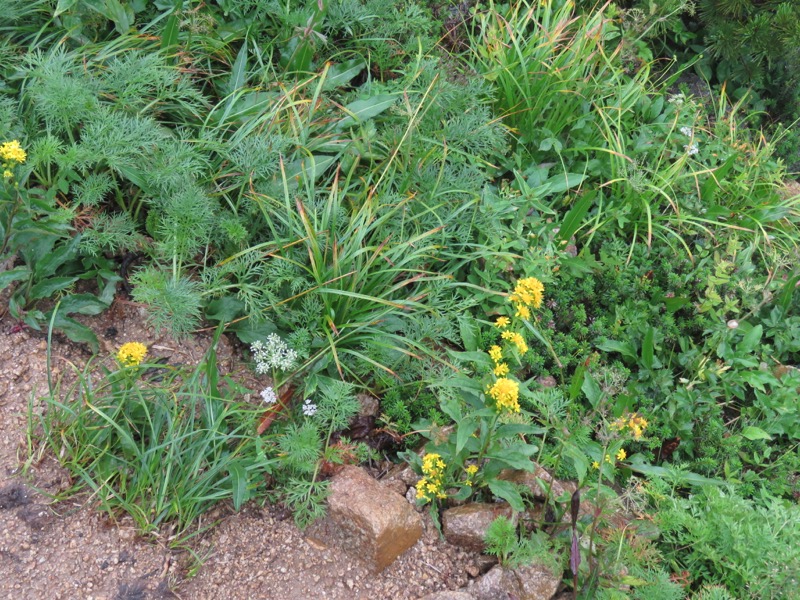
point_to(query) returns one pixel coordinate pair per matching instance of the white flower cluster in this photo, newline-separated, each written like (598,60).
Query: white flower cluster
(692,150)
(269,395)
(274,353)
(309,409)
(687,131)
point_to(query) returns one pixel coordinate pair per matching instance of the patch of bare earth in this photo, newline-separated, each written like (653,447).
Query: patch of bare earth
(69,549)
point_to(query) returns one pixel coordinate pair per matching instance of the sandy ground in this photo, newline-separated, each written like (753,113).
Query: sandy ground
(69,549)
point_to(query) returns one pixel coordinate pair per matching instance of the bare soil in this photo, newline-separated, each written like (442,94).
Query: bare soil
(69,549)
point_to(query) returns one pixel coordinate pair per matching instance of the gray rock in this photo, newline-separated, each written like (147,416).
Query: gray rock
(466,526)
(370,406)
(532,582)
(367,520)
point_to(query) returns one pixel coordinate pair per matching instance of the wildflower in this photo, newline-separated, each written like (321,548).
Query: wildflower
(12,152)
(687,131)
(622,455)
(516,339)
(528,292)
(131,354)
(496,353)
(523,312)
(505,393)
(471,470)
(272,354)
(691,150)
(309,408)
(432,483)
(269,396)
(502,322)
(595,465)
(501,369)
(637,425)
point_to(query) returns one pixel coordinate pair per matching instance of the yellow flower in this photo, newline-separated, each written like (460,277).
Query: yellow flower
(523,312)
(471,470)
(132,353)
(502,322)
(505,393)
(528,292)
(12,152)
(501,369)
(496,352)
(7,174)
(622,455)
(595,465)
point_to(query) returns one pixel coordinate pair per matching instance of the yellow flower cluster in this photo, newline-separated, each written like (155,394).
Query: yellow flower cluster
(131,354)
(471,470)
(527,293)
(496,353)
(516,339)
(11,154)
(505,393)
(635,422)
(432,483)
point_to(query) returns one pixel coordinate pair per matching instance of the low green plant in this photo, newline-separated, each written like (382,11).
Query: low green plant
(513,548)
(747,546)
(159,443)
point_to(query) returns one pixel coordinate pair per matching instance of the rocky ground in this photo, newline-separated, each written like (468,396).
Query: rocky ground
(68,549)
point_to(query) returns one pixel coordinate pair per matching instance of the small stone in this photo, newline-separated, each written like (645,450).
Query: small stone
(466,526)
(370,406)
(350,584)
(367,520)
(547,382)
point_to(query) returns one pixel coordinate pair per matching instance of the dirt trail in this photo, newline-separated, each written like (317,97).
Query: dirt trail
(69,550)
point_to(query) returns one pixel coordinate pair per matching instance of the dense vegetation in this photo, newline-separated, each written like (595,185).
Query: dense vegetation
(524,220)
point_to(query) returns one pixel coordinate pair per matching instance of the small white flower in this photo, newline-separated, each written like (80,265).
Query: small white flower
(269,396)
(309,409)
(676,99)
(274,354)
(733,324)
(691,150)
(687,131)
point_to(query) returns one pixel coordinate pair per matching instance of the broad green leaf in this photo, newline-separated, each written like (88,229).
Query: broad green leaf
(750,340)
(574,218)
(625,348)
(361,110)
(84,304)
(342,73)
(470,333)
(648,345)
(508,492)
(9,277)
(562,182)
(51,285)
(239,71)
(591,389)
(755,433)
(464,431)
(238,484)
(579,461)
(169,37)
(75,331)
(63,6)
